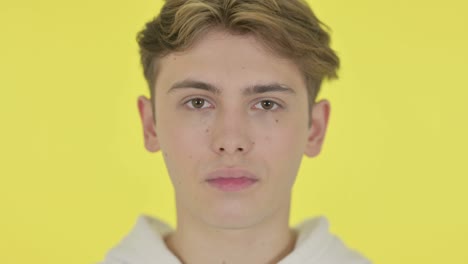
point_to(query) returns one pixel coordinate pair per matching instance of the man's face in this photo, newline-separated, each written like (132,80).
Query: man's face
(199,131)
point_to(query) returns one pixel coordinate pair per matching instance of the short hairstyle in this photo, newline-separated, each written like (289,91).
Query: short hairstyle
(289,28)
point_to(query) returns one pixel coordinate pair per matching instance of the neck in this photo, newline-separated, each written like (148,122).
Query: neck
(270,241)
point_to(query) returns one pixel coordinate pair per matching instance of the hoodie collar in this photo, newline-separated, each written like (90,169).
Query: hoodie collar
(145,245)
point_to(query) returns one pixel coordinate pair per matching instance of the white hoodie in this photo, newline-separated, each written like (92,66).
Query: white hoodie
(314,245)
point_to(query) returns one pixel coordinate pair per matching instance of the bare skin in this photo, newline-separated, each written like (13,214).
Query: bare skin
(231,130)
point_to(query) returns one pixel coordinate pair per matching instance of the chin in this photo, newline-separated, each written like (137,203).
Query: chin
(230,218)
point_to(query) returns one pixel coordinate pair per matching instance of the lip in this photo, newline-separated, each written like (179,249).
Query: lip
(232,184)
(231,179)
(231,173)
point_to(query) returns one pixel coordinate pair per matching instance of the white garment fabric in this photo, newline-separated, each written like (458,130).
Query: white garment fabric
(315,245)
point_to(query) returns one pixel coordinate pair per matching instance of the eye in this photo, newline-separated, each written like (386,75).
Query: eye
(195,103)
(268,105)
(198,102)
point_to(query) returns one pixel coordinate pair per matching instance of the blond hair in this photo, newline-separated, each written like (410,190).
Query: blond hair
(289,28)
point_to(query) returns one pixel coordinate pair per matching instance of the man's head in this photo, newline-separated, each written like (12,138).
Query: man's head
(287,28)
(232,84)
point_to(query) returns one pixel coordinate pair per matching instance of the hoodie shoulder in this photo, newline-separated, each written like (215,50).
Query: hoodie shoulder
(143,245)
(316,245)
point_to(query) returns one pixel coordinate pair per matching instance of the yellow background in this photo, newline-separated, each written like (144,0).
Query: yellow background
(74,175)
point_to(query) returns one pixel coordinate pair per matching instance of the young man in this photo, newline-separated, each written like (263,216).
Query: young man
(233,86)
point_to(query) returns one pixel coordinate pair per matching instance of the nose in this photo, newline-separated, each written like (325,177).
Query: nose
(231,135)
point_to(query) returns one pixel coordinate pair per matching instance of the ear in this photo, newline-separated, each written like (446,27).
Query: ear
(320,114)
(148,123)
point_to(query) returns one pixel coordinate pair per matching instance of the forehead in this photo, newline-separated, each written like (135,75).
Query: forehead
(229,61)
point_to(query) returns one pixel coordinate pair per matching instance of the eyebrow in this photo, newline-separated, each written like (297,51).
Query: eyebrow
(250,90)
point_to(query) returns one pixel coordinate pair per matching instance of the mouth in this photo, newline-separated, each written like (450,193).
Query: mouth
(231,180)
(234,173)
(231,184)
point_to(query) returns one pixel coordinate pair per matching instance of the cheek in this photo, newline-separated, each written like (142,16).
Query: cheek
(283,134)
(184,152)
(276,141)
(185,137)
(187,140)
(284,140)
(284,151)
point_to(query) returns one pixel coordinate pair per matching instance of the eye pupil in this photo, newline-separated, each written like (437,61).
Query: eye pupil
(199,102)
(267,103)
